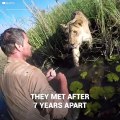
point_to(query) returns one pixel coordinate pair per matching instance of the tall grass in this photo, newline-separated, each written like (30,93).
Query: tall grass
(48,38)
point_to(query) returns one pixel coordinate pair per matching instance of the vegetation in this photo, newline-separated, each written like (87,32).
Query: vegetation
(102,74)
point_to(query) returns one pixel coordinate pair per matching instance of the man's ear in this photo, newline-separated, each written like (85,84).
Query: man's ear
(19,47)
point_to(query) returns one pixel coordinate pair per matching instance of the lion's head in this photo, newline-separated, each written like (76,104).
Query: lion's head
(77,30)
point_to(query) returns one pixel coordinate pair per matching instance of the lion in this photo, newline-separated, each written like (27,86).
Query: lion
(77,31)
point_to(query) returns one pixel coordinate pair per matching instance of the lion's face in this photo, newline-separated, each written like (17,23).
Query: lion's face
(77,31)
(73,35)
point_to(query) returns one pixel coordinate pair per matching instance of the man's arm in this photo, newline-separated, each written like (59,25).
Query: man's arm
(63,84)
(60,77)
(40,85)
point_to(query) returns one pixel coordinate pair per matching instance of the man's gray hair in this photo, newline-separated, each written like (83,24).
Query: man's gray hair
(8,39)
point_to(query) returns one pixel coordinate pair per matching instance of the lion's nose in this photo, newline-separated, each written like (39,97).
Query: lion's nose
(72,44)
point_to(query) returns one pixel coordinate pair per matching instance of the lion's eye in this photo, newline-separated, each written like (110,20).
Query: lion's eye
(75,32)
(80,24)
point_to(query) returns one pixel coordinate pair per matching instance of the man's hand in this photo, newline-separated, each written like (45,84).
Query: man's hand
(51,74)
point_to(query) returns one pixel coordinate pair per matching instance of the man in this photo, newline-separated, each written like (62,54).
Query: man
(21,79)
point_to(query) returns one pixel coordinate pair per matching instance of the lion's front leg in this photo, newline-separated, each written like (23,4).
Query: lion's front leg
(76,55)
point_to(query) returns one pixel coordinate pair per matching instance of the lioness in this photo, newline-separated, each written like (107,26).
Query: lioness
(77,31)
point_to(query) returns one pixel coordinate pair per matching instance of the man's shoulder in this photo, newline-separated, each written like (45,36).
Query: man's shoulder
(21,67)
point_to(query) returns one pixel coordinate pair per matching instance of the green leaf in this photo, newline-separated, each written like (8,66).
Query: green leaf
(96,92)
(109,91)
(79,92)
(74,86)
(112,77)
(96,106)
(109,77)
(115,77)
(113,57)
(92,108)
(118,68)
(83,75)
(88,108)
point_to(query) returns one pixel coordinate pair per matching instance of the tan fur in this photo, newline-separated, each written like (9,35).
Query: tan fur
(77,31)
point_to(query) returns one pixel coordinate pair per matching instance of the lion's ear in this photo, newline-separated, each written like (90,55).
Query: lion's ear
(76,22)
(63,26)
(72,21)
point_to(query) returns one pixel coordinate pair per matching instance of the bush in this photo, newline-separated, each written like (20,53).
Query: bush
(49,40)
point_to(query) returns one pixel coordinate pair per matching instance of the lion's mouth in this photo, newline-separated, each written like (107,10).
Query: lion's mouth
(73,46)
